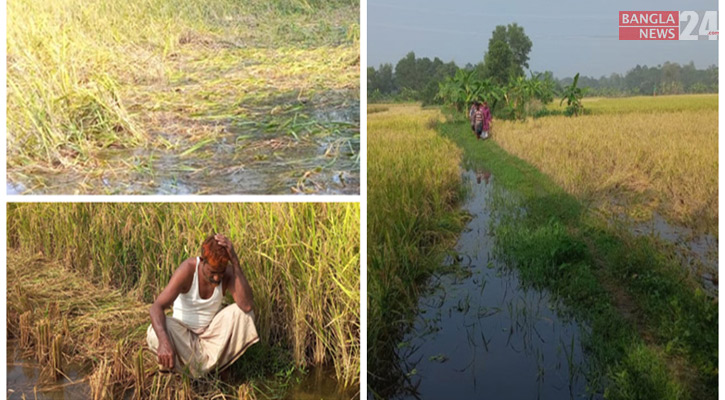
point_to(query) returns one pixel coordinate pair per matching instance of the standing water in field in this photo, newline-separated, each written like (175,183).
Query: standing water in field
(320,383)
(697,251)
(305,150)
(481,333)
(23,379)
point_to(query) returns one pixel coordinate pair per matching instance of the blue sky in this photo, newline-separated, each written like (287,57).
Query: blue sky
(568,36)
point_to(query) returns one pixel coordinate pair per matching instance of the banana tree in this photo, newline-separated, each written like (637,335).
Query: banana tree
(573,96)
(541,89)
(518,93)
(456,91)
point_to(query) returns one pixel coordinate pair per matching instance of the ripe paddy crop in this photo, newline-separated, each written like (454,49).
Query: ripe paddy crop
(413,189)
(633,156)
(649,104)
(89,271)
(653,324)
(101,95)
(653,328)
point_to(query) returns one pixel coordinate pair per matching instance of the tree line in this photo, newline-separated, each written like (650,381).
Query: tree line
(667,78)
(506,60)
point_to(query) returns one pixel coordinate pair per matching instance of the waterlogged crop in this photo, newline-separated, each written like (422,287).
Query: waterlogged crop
(94,87)
(414,185)
(90,271)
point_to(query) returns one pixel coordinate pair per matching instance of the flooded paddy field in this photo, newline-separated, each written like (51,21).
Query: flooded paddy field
(697,252)
(481,332)
(552,296)
(307,152)
(68,321)
(25,380)
(215,97)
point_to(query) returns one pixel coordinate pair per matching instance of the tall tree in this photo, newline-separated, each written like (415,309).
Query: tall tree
(372,80)
(499,63)
(520,44)
(405,72)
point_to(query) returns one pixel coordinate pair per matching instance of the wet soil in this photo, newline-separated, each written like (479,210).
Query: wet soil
(24,378)
(320,383)
(697,252)
(311,151)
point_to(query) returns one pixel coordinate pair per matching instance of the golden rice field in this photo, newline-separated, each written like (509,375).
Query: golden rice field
(414,185)
(168,76)
(634,155)
(88,272)
(640,104)
(657,156)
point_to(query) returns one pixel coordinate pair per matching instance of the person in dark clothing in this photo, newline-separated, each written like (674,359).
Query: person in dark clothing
(473,109)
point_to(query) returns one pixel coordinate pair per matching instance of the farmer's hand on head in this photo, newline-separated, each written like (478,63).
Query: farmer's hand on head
(166,355)
(224,242)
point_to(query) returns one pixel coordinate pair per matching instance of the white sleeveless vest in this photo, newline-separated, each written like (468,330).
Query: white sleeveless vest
(194,311)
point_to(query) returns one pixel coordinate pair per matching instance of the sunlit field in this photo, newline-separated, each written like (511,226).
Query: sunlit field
(644,104)
(413,189)
(652,322)
(633,156)
(82,277)
(103,95)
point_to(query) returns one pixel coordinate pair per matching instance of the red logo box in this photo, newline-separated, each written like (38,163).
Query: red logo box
(649,25)
(649,18)
(648,33)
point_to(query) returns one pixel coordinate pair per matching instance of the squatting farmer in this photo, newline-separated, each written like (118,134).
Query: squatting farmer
(200,337)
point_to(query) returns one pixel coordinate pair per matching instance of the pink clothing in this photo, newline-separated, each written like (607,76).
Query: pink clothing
(486,118)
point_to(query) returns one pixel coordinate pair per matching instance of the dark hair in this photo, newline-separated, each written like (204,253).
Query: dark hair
(213,253)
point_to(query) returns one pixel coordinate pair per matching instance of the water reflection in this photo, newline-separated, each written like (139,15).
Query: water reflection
(246,158)
(24,377)
(320,383)
(481,333)
(698,252)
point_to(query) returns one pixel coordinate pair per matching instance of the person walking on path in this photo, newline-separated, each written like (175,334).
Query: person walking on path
(471,113)
(478,121)
(486,119)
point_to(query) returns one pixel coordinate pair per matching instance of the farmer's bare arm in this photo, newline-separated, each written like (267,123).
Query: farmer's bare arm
(238,285)
(178,283)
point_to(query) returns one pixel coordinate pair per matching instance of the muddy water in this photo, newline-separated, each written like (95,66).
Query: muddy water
(23,377)
(481,334)
(243,158)
(320,383)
